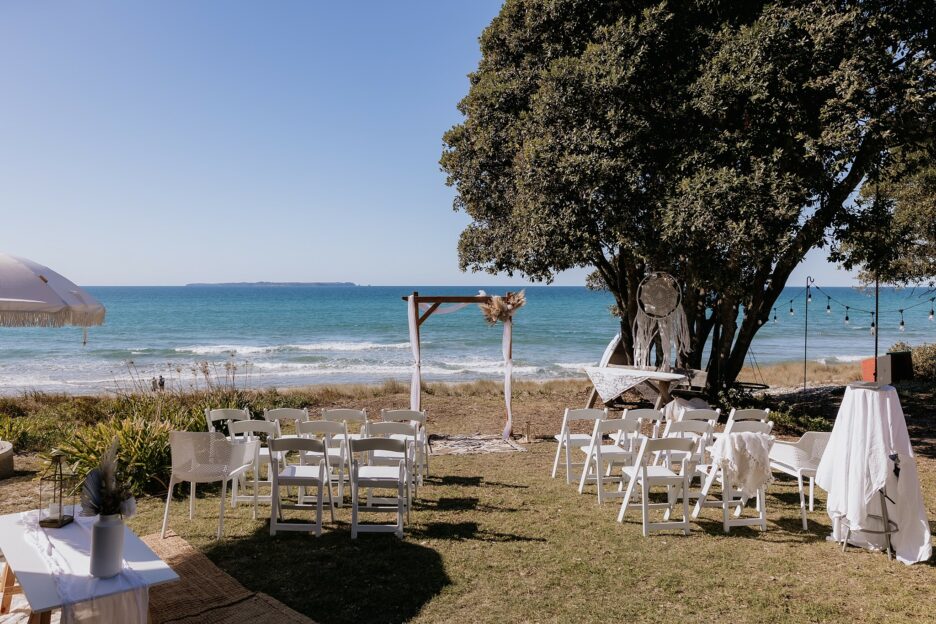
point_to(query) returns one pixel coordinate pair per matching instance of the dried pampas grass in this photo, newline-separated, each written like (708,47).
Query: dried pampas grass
(502,308)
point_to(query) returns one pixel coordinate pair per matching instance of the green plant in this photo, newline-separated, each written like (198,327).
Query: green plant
(899,347)
(144,458)
(924,362)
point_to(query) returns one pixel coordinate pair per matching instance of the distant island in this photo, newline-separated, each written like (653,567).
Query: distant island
(270,284)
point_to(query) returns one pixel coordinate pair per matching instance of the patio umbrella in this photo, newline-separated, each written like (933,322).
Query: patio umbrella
(32,295)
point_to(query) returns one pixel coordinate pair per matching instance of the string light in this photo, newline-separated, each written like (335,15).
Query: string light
(873,330)
(932,312)
(902,327)
(846,314)
(791,307)
(808,295)
(828,306)
(775,315)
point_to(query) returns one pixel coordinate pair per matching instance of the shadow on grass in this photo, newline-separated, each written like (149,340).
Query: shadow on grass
(462,503)
(334,579)
(455,480)
(464,531)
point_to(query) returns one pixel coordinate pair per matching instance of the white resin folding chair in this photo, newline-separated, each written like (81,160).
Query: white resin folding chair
(732,499)
(207,457)
(396,478)
(284,417)
(396,431)
(602,458)
(316,475)
(214,417)
(254,431)
(743,415)
(422,448)
(646,475)
(569,441)
(800,459)
(653,418)
(335,437)
(354,418)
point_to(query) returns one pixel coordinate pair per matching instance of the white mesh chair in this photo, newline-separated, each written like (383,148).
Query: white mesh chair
(646,475)
(380,477)
(732,499)
(258,431)
(303,476)
(800,459)
(569,441)
(335,437)
(216,417)
(422,448)
(207,457)
(284,417)
(396,431)
(601,458)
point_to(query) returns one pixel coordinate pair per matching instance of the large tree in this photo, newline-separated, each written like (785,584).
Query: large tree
(716,140)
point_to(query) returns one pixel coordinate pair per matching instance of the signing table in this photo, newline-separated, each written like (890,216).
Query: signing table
(869,459)
(612,381)
(51,568)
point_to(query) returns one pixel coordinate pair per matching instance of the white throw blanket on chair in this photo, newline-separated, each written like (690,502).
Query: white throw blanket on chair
(745,459)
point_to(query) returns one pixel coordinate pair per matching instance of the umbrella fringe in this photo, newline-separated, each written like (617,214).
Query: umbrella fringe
(16,318)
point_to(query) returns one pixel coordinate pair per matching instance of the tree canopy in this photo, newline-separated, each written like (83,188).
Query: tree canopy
(719,141)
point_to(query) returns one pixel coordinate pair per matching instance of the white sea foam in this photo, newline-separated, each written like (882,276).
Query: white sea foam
(310,346)
(841,359)
(576,366)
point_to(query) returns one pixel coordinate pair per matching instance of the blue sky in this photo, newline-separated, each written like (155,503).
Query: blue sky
(172,142)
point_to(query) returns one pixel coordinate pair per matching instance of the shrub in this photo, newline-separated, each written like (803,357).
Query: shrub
(789,423)
(924,362)
(143,457)
(31,433)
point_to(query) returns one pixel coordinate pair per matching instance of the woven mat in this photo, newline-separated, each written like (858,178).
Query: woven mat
(205,594)
(472,444)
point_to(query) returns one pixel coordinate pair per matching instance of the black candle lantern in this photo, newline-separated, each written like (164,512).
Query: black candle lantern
(57,493)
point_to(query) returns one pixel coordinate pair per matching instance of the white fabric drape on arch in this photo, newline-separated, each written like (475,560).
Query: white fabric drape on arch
(507,348)
(416,380)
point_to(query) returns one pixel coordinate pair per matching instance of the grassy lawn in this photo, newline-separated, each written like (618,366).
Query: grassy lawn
(494,539)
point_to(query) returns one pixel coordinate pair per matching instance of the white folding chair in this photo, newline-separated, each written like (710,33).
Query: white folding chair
(303,476)
(284,417)
(250,431)
(602,458)
(800,459)
(335,437)
(396,431)
(653,418)
(224,416)
(646,475)
(732,499)
(383,478)
(422,448)
(569,441)
(354,418)
(736,415)
(207,457)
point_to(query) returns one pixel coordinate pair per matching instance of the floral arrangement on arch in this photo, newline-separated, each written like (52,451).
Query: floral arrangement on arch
(502,308)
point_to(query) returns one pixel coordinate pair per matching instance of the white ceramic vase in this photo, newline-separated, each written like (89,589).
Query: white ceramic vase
(107,541)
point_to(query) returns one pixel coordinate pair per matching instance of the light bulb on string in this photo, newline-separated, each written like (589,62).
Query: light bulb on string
(828,306)
(808,295)
(873,330)
(791,307)
(902,327)
(932,312)
(846,315)
(775,315)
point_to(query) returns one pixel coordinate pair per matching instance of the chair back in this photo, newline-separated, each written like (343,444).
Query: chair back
(285,415)
(365,445)
(736,415)
(751,426)
(815,443)
(710,415)
(252,429)
(307,445)
(645,415)
(403,415)
(345,415)
(688,429)
(323,428)
(384,429)
(207,455)
(622,431)
(224,416)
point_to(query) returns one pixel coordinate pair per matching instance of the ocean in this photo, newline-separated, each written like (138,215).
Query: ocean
(297,335)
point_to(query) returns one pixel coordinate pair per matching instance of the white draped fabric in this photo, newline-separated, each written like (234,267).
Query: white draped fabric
(611,383)
(858,462)
(507,348)
(745,458)
(124,598)
(416,381)
(447,309)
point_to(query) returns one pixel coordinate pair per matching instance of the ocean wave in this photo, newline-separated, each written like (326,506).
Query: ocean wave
(842,359)
(576,366)
(309,346)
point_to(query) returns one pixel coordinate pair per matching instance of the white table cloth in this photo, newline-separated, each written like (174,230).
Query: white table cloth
(869,430)
(612,381)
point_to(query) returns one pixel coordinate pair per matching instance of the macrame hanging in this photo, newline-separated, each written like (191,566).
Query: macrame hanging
(660,313)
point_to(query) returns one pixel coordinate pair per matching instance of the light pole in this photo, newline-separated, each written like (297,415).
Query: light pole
(809,282)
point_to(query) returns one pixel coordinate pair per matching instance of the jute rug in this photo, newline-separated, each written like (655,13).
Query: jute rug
(205,594)
(472,444)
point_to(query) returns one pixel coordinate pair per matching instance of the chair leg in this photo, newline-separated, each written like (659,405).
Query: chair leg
(812,490)
(568,464)
(685,506)
(802,500)
(762,500)
(631,483)
(401,501)
(256,486)
(274,508)
(645,509)
(166,511)
(726,500)
(354,509)
(191,503)
(599,480)
(331,501)
(556,461)
(318,508)
(234,483)
(586,471)
(221,513)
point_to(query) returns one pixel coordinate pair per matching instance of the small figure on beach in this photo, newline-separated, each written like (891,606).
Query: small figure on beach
(154,384)
(162,383)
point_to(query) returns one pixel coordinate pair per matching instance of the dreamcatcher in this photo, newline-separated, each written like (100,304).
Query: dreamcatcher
(659,313)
